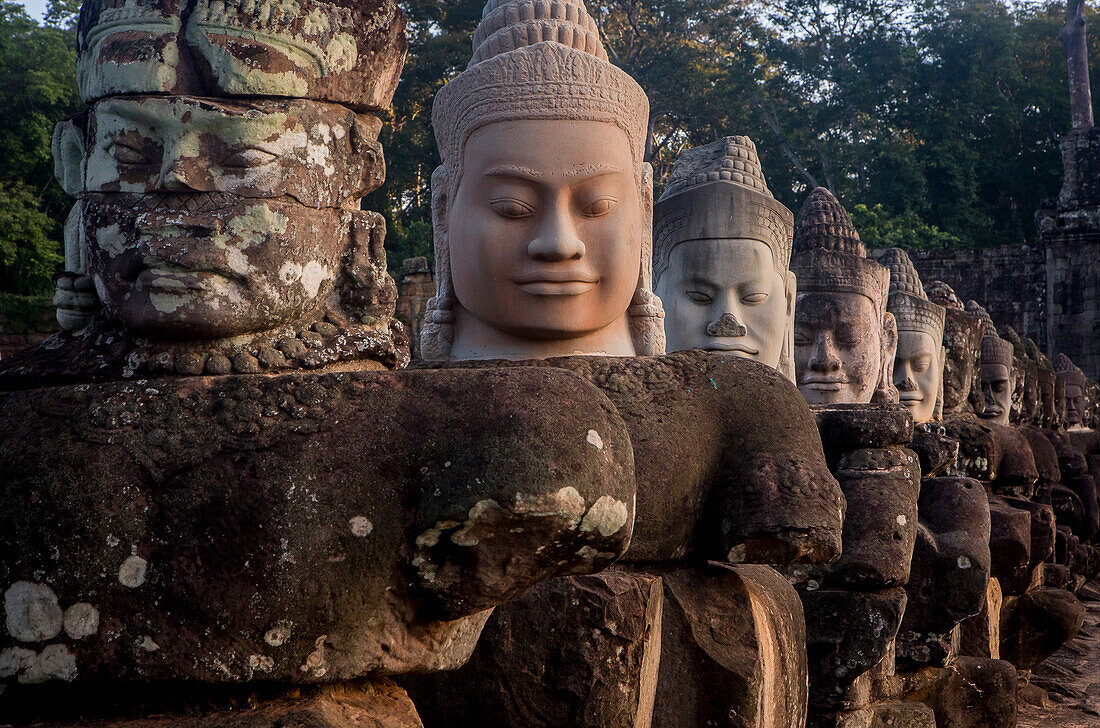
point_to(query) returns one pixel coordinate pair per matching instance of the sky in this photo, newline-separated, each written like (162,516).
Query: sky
(35,8)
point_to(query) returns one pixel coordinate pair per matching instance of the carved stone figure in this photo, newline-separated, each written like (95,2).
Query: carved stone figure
(919,362)
(845,339)
(962,340)
(722,245)
(1025,398)
(998,370)
(1075,384)
(542,205)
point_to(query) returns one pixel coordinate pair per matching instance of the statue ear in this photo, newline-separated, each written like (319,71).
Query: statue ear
(68,157)
(889,352)
(786,354)
(437,334)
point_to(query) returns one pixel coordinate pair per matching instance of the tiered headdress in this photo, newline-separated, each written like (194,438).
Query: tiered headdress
(908,301)
(535,59)
(995,350)
(718,191)
(1067,370)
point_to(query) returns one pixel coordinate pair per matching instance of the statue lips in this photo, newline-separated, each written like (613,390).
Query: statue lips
(732,347)
(824,384)
(991,411)
(556,282)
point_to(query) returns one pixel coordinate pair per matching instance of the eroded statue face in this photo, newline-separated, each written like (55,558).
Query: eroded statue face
(200,218)
(960,367)
(545,236)
(918,372)
(1075,404)
(725,295)
(837,348)
(997,386)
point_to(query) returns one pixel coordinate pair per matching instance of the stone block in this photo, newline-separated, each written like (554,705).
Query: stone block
(1010,545)
(1035,625)
(980,635)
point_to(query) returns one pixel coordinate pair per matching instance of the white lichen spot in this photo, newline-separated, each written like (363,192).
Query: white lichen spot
(81,620)
(567,502)
(263,663)
(964,562)
(607,515)
(278,635)
(148,644)
(112,541)
(902,520)
(33,614)
(315,663)
(16,659)
(587,552)
(738,554)
(132,571)
(361,527)
(314,274)
(56,662)
(595,440)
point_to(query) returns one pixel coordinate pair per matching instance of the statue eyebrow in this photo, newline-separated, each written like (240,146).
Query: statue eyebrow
(590,170)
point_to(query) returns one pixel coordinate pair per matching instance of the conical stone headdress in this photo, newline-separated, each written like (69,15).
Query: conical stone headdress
(908,301)
(828,254)
(1067,370)
(718,191)
(995,350)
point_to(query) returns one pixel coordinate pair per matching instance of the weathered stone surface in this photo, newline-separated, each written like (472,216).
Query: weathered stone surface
(1016,470)
(848,633)
(416,287)
(972,693)
(846,427)
(1035,625)
(732,650)
(340,51)
(717,476)
(1043,529)
(377,703)
(573,651)
(1010,545)
(949,578)
(289,528)
(1044,454)
(881,486)
(322,155)
(936,450)
(980,635)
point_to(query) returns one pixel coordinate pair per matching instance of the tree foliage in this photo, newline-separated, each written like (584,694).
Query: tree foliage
(37,89)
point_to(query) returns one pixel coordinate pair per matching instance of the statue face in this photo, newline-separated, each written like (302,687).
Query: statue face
(1075,404)
(725,295)
(1046,392)
(200,219)
(997,386)
(962,342)
(918,371)
(837,347)
(545,235)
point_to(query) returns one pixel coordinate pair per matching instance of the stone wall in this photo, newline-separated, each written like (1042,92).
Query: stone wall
(25,321)
(416,286)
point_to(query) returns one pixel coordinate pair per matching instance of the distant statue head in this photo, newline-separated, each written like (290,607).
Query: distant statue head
(1075,383)
(998,370)
(1025,398)
(919,362)
(721,250)
(844,338)
(962,341)
(542,208)
(1046,379)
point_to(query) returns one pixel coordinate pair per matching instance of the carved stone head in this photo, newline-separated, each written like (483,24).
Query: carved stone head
(962,340)
(1075,383)
(1046,384)
(998,370)
(542,208)
(1025,398)
(844,338)
(218,215)
(721,250)
(919,362)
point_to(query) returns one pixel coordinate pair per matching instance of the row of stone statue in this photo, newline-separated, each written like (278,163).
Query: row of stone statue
(226,501)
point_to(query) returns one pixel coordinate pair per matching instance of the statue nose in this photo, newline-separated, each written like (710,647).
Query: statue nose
(726,326)
(908,384)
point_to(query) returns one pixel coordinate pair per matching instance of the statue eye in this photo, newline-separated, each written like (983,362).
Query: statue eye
(512,208)
(248,158)
(600,207)
(699,297)
(922,363)
(754,298)
(801,339)
(125,154)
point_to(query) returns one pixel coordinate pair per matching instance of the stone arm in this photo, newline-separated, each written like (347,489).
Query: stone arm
(225,529)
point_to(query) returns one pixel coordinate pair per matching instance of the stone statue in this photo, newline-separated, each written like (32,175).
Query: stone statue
(542,205)
(221,233)
(1025,398)
(919,362)
(962,340)
(844,338)
(722,245)
(998,370)
(1075,384)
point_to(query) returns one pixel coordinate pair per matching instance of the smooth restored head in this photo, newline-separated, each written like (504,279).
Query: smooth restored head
(918,373)
(998,381)
(545,240)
